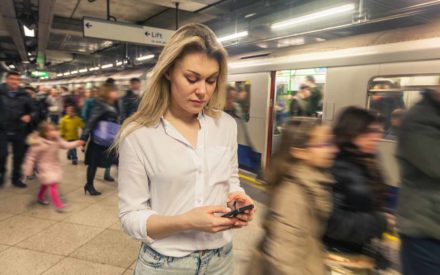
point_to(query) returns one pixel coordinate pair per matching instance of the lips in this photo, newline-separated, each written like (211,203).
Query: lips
(199,102)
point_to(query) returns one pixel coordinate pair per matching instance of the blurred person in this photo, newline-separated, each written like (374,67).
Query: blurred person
(359,193)
(315,95)
(231,106)
(178,162)
(70,126)
(396,121)
(128,104)
(100,131)
(16,112)
(55,108)
(418,210)
(43,155)
(300,202)
(300,104)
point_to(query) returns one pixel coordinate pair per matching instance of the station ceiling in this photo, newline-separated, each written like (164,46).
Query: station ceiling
(59,44)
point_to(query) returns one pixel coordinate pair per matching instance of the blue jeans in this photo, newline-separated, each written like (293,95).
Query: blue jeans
(420,256)
(72,154)
(207,262)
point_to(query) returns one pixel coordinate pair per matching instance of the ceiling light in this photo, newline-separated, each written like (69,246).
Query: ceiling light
(12,66)
(313,16)
(29,54)
(73,72)
(106,66)
(66,74)
(59,74)
(145,57)
(233,36)
(119,63)
(94,68)
(250,15)
(83,70)
(28,32)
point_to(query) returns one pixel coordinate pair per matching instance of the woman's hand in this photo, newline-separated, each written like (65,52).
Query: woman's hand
(205,219)
(242,200)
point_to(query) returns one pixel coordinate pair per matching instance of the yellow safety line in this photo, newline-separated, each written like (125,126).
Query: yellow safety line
(252,182)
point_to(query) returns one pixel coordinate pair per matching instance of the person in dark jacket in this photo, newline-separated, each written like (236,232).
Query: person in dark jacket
(315,95)
(16,112)
(98,155)
(300,105)
(418,210)
(358,215)
(128,104)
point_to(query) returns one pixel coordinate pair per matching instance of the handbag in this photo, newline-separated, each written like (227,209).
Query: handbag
(105,133)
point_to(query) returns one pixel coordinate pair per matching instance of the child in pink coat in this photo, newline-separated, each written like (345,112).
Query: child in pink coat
(43,154)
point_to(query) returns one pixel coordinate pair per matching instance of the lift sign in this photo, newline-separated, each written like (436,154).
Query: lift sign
(109,30)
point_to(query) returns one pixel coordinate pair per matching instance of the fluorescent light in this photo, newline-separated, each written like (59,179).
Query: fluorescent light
(233,36)
(145,57)
(73,72)
(12,66)
(250,15)
(83,70)
(94,68)
(66,74)
(28,32)
(119,63)
(107,66)
(29,54)
(313,16)
(59,74)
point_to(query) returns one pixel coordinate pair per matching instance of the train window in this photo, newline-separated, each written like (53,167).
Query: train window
(298,93)
(238,99)
(390,96)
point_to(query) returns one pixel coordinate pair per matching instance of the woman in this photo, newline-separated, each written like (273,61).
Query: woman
(358,194)
(102,121)
(55,106)
(178,162)
(300,202)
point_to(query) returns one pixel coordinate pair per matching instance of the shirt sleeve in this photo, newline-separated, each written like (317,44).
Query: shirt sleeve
(234,181)
(134,192)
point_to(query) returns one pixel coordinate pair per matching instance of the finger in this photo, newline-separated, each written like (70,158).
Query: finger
(221,228)
(244,217)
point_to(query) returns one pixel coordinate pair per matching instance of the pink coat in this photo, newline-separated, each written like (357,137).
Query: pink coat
(43,155)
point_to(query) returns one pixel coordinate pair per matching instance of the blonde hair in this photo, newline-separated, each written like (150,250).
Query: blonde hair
(44,127)
(155,100)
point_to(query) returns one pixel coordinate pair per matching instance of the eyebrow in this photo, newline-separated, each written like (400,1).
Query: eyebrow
(197,74)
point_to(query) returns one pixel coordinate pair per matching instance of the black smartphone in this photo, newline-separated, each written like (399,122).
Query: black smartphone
(238,211)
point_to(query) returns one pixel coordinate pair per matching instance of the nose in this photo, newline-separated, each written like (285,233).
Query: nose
(201,89)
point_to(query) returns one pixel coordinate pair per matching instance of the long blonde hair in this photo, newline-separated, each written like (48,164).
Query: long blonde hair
(155,100)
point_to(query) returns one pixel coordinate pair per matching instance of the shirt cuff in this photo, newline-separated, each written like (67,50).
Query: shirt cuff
(135,224)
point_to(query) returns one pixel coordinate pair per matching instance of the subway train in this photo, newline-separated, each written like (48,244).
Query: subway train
(346,70)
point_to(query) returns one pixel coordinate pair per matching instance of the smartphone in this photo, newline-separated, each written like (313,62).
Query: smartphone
(238,211)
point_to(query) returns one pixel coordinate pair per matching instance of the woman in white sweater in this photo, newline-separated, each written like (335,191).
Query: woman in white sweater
(178,169)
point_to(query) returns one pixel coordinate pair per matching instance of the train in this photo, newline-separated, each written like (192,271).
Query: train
(346,70)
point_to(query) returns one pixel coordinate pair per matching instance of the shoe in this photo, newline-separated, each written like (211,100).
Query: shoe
(19,184)
(68,157)
(91,189)
(75,162)
(30,177)
(63,209)
(108,178)
(43,202)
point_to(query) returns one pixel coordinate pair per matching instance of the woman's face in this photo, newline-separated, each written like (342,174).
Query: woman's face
(320,150)
(193,81)
(367,142)
(52,132)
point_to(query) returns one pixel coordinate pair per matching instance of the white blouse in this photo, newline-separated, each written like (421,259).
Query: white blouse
(161,173)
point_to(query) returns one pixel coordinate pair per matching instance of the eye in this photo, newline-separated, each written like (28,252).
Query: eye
(191,79)
(211,81)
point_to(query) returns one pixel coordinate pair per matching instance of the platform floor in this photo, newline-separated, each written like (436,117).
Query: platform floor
(88,239)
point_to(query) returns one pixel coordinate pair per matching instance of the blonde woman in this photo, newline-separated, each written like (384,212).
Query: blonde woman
(178,162)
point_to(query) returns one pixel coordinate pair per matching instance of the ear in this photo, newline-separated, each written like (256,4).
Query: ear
(298,153)
(168,74)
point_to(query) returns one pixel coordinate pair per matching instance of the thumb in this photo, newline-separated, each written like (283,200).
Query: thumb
(218,209)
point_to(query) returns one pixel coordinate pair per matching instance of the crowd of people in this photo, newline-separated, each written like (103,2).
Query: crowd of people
(179,190)
(39,121)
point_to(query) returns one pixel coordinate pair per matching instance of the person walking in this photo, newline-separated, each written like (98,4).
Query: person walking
(70,125)
(16,112)
(128,103)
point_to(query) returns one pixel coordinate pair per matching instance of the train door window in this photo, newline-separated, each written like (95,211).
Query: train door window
(238,99)
(391,96)
(298,93)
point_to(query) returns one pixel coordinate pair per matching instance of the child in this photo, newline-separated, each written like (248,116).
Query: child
(43,154)
(70,125)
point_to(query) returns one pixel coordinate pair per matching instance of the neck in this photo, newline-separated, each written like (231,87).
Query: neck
(175,113)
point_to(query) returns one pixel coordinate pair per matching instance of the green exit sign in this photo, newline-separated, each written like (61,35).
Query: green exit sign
(39,74)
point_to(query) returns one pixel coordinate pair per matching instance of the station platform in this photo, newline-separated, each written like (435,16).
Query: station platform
(88,238)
